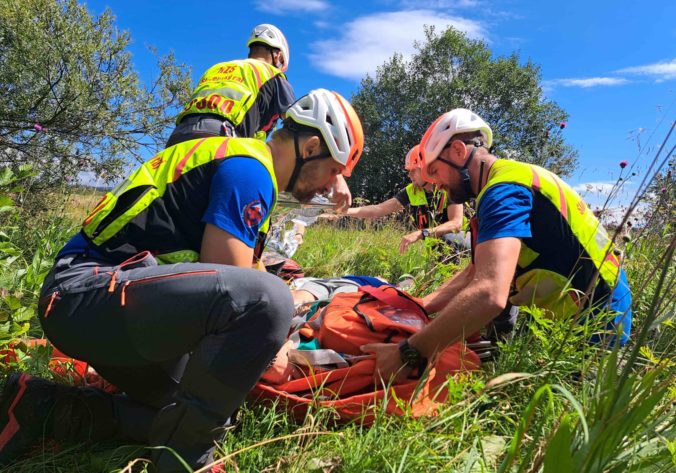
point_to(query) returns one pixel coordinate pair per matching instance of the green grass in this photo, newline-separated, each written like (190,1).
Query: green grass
(550,403)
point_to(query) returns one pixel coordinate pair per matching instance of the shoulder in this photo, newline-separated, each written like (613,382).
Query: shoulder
(284,88)
(505,211)
(243,171)
(402,196)
(506,194)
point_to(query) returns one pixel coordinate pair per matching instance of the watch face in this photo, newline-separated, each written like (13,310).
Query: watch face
(409,355)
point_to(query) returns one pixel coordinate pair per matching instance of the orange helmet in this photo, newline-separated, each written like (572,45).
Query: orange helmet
(413,159)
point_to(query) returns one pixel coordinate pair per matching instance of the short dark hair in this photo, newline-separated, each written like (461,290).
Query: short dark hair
(289,127)
(469,137)
(260,48)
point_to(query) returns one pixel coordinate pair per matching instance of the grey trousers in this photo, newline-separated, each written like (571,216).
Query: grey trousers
(185,342)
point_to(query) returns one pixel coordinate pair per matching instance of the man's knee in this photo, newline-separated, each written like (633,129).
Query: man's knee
(279,311)
(266,301)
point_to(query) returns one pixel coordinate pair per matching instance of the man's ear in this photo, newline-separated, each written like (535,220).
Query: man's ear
(458,150)
(311,147)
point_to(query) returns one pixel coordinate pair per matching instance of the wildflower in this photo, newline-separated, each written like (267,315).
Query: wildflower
(664,190)
(623,164)
(37,127)
(563,125)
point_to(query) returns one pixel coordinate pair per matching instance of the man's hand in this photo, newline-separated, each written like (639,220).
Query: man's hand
(406,240)
(341,194)
(388,362)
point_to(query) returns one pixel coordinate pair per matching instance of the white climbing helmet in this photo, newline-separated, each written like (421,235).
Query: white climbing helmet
(337,122)
(439,134)
(273,37)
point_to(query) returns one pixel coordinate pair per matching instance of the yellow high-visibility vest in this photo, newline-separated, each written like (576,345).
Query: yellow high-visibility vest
(229,89)
(545,288)
(147,202)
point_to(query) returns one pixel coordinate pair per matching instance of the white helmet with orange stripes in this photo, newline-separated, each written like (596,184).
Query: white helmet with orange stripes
(337,122)
(413,159)
(439,134)
(273,37)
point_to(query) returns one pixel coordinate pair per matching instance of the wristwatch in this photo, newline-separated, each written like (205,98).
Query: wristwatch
(411,357)
(425,233)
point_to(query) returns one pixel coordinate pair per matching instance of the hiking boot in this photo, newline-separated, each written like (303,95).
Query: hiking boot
(25,406)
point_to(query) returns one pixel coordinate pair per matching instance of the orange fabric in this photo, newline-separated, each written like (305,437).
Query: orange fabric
(355,319)
(351,391)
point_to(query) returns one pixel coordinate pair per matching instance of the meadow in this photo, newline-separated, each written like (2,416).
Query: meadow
(550,402)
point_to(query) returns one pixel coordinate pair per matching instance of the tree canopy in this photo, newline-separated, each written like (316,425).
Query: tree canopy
(70,99)
(450,71)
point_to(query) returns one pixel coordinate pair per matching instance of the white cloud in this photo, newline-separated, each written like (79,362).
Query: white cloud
(603,188)
(588,82)
(281,7)
(370,40)
(660,70)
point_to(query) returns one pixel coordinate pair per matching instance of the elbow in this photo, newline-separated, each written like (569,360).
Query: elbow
(495,300)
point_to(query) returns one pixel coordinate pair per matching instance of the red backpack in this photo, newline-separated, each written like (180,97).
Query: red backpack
(349,321)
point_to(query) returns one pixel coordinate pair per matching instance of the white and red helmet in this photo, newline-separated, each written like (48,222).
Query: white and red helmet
(440,132)
(273,37)
(413,159)
(337,122)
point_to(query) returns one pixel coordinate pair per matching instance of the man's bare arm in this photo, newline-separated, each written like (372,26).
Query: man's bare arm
(388,207)
(221,247)
(478,302)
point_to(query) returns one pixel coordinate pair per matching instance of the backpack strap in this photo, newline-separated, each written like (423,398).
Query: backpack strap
(397,299)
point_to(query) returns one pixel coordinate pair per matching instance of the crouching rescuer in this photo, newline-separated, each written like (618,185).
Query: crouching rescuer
(158,294)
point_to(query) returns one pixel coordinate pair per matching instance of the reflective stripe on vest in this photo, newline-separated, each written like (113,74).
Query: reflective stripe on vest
(586,228)
(229,89)
(153,177)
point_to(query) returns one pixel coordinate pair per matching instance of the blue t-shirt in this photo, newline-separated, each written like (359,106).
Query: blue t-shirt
(239,201)
(505,211)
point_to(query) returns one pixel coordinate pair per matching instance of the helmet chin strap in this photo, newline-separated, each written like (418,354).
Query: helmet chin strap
(297,167)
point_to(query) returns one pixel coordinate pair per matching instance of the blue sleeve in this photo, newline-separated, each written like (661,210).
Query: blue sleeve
(504,211)
(240,198)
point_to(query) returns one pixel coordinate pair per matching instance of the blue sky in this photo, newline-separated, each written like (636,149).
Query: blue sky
(610,64)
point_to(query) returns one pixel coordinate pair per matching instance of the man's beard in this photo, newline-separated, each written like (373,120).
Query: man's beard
(457,195)
(303,196)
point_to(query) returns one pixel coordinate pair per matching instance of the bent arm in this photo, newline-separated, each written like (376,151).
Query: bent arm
(454,223)
(388,207)
(220,247)
(437,300)
(483,298)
